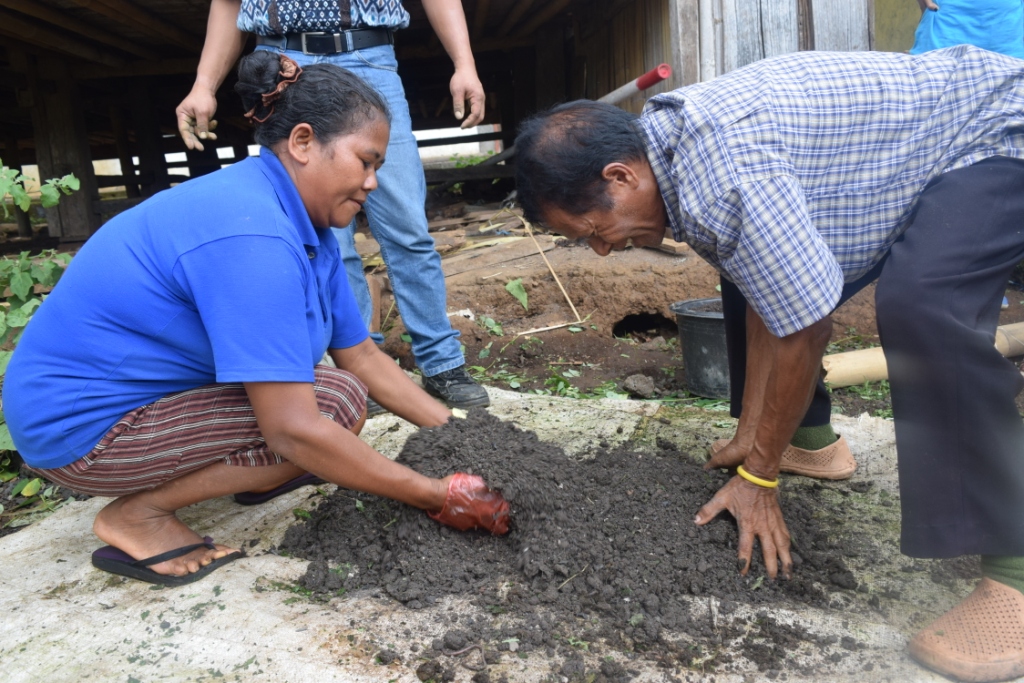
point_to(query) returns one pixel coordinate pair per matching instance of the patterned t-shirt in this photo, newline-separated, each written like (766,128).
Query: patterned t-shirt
(278,17)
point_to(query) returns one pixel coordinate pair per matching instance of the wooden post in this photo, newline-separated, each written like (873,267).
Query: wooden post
(62,147)
(148,140)
(124,151)
(524,85)
(12,158)
(550,61)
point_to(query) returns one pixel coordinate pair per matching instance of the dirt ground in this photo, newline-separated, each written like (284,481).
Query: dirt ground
(601,560)
(627,329)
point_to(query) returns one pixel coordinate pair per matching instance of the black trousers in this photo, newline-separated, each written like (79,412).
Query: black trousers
(959,437)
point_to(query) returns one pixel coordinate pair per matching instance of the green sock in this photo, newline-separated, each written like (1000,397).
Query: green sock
(814,438)
(1004,569)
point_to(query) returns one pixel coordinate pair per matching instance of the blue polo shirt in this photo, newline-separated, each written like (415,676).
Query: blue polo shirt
(220,279)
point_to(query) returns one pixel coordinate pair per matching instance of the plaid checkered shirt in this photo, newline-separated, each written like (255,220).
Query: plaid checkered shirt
(279,17)
(796,174)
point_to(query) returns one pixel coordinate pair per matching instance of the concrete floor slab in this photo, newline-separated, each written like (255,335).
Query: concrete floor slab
(65,621)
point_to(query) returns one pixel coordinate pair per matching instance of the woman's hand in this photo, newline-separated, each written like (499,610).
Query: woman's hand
(470,504)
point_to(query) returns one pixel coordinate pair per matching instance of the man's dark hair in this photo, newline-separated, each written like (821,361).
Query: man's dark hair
(561,152)
(332,100)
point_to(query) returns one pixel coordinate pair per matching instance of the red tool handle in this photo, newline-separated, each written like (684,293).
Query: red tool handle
(655,75)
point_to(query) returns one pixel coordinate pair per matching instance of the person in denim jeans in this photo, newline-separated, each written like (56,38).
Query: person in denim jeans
(357,35)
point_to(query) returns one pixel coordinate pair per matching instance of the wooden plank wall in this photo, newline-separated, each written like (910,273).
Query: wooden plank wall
(616,42)
(755,29)
(744,31)
(842,25)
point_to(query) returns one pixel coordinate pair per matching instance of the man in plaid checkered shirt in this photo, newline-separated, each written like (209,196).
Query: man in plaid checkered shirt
(802,179)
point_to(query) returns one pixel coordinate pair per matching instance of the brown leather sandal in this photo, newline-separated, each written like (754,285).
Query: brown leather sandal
(834,461)
(981,639)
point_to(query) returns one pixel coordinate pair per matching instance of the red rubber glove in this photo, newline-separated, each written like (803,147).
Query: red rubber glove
(470,504)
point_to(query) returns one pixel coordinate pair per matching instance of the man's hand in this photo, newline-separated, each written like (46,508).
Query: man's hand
(757,513)
(927,4)
(729,457)
(195,118)
(466,87)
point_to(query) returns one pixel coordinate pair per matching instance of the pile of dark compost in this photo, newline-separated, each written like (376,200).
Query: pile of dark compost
(607,542)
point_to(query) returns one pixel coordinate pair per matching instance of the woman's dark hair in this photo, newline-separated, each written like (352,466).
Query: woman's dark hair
(332,100)
(561,152)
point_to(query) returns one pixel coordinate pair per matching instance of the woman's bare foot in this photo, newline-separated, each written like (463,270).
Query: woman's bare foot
(141,530)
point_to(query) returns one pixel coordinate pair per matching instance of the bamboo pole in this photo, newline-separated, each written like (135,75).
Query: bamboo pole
(868,365)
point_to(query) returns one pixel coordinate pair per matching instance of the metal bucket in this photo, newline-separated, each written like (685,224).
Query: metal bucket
(702,339)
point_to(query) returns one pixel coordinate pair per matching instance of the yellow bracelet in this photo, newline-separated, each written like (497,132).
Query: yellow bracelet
(766,483)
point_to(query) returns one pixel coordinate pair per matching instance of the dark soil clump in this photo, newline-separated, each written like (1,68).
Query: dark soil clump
(603,549)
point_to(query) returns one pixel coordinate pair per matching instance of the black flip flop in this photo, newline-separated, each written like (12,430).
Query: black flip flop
(116,561)
(306,479)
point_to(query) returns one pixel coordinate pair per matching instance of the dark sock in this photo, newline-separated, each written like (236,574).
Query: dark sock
(1005,569)
(814,438)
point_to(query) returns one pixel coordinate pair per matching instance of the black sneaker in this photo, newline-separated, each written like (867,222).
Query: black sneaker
(456,388)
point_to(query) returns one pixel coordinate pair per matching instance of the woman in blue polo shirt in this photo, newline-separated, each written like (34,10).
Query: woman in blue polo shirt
(176,361)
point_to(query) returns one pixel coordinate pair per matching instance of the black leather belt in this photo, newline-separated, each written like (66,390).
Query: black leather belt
(321,43)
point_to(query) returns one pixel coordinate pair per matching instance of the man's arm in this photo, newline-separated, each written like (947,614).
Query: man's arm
(754,387)
(389,385)
(222,48)
(772,414)
(449,23)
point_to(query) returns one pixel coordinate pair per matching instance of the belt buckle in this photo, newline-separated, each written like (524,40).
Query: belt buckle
(315,34)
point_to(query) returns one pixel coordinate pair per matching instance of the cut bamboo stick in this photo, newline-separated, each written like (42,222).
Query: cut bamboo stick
(868,365)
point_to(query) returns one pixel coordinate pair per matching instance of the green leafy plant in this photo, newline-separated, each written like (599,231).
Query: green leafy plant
(24,280)
(12,184)
(516,289)
(463,161)
(491,325)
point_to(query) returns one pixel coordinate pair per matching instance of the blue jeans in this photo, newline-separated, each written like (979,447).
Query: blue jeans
(398,221)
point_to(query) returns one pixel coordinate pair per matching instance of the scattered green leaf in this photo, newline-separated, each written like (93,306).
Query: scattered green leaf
(516,289)
(32,488)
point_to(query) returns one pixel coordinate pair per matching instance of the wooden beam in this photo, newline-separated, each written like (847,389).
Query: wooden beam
(483,8)
(542,17)
(34,9)
(459,139)
(126,12)
(11,25)
(102,207)
(445,175)
(519,8)
(479,47)
(164,67)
